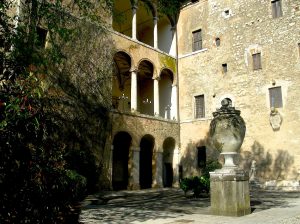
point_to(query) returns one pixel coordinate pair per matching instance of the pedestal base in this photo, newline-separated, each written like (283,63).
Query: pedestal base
(229,191)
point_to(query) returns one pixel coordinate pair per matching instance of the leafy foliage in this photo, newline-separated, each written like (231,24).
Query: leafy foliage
(199,184)
(48,111)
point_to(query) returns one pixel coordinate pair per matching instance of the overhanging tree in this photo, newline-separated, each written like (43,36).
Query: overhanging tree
(53,104)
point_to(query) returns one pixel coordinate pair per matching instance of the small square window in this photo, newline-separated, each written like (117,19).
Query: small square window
(276,8)
(218,42)
(224,68)
(256,61)
(275,97)
(226,12)
(199,106)
(197,40)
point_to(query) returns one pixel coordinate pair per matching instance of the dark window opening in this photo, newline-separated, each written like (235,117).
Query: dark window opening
(41,36)
(275,97)
(201,155)
(225,68)
(197,40)
(218,42)
(199,106)
(227,12)
(256,61)
(276,8)
(299,49)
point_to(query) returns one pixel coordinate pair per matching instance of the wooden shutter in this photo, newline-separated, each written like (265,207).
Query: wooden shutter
(275,97)
(199,106)
(256,61)
(197,40)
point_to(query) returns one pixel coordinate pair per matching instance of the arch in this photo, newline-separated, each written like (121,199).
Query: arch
(120,175)
(122,16)
(166,35)
(145,87)
(151,6)
(145,25)
(146,154)
(121,86)
(165,93)
(168,154)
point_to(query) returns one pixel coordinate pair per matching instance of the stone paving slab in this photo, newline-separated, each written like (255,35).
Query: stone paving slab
(170,206)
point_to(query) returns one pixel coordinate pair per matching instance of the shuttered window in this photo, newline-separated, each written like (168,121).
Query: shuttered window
(276,8)
(275,97)
(199,106)
(197,40)
(256,61)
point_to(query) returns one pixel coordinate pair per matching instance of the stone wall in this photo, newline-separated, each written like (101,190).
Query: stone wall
(244,28)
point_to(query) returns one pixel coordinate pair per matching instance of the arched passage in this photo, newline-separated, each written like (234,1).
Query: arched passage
(166,39)
(145,23)
(122,17)
(121,145)
(146,153)
(165,93)
(145,87)
(121,82)
(168,153)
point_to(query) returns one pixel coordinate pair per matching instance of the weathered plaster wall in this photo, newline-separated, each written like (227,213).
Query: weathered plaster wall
(249,28)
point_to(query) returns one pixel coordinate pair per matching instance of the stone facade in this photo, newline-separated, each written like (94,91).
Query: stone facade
(244,28)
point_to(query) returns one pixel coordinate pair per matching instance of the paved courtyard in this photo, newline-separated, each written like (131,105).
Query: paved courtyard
(170,206)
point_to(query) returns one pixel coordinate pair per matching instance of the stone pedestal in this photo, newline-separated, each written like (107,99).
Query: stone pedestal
(229,192)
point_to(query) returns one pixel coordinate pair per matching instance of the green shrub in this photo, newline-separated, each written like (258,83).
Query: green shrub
(199,184)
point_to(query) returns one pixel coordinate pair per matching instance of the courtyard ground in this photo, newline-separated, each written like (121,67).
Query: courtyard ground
(170,206)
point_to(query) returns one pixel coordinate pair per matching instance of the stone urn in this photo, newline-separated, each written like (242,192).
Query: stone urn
(227,132)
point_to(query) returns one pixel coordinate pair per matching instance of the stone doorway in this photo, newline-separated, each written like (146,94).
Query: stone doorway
(146,153)
(168,154)
(121,143)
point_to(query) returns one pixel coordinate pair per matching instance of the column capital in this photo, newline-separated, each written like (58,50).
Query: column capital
(135,149)
(157,78)
(155,18)
(133,70)
(134,7)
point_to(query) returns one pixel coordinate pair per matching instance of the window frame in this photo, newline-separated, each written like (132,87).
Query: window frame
(197,40)
(276,7)
(199,110)
(275,97)
(256,61)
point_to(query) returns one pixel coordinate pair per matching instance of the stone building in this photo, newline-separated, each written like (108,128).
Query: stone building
(170,77)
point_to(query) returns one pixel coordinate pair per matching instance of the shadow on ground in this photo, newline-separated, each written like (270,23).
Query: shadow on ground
(139,206)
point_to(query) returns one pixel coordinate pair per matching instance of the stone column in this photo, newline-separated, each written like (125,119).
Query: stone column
(173,50)
(156,97)
(133,90)
(134,9)
(158,181)
(176,158)
(174,103)
(135,173)
(155,33)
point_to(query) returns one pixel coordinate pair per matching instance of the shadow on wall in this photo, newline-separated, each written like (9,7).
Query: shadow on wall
(190,158)
(268,166)
(79,99)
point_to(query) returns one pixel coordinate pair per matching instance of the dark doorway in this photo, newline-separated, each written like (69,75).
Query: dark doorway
(146,145)
(168,175)
(168,146)
(121,143)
